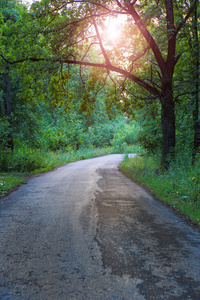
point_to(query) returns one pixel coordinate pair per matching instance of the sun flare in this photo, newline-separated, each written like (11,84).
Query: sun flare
(113,27)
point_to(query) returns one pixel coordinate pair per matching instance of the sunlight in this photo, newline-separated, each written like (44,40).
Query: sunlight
(113,27)
(29,2)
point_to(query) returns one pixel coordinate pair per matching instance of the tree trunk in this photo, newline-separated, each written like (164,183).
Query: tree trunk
(168,123)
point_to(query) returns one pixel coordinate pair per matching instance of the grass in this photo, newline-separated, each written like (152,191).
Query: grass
(34,161)
(8,182)
(179,186)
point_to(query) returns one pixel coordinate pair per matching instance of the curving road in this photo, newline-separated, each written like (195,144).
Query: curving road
(84,231)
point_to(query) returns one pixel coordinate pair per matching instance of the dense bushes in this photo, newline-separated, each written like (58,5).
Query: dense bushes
(100,135)
(21,160)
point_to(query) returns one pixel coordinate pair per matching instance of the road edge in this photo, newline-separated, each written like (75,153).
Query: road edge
(185,218)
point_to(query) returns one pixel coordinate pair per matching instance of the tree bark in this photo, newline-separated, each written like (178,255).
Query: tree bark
(168,123)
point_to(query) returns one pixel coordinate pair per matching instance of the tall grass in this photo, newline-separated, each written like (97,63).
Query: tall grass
(179,185)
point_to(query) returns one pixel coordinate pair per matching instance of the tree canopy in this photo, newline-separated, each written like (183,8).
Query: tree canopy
(146,63)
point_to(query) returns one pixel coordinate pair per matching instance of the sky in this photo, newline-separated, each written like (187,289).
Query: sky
(28,1)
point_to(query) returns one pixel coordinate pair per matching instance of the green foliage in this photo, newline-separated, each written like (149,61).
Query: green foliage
(113,105)
(100,135)
(120,147)
(7,182)
(58,91)
(23,160)
(87,103)
(149,137)
(126,134)
(65,134)
(5,130)
(148,132)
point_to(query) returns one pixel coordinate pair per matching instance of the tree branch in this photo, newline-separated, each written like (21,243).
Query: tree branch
(75,22)
(120,5)
(146,34)
(186,17)
(140,55)
(140,98)
(110,67)
(101,44)
(170,36)
(125,73)
(95,43)
(6,60)
(94,3)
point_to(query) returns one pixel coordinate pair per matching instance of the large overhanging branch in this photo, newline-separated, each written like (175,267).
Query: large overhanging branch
(110,67)
(118,70)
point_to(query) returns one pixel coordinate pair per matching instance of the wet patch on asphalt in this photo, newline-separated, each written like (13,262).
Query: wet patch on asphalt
(141,239)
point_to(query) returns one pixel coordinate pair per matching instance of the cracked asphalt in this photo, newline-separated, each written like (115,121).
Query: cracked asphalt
(85,231)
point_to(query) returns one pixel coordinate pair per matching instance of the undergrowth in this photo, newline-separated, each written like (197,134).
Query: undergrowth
(179,185)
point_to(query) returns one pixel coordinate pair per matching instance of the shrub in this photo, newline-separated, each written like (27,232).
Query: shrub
(100,135)
(22,160)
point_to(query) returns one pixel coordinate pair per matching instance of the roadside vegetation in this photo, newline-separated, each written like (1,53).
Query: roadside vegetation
(8,182)
(178,186)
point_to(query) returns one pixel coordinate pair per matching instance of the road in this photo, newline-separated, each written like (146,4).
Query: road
(84,231)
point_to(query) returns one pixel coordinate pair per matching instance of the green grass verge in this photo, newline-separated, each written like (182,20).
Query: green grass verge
(8,182)
(179,186)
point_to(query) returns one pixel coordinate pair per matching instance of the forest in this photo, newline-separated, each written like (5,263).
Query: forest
(80,79)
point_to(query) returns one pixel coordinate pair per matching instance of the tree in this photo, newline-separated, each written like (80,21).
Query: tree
(157,24)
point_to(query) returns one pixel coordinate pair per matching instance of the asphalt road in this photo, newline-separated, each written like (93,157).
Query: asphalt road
(84,231)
